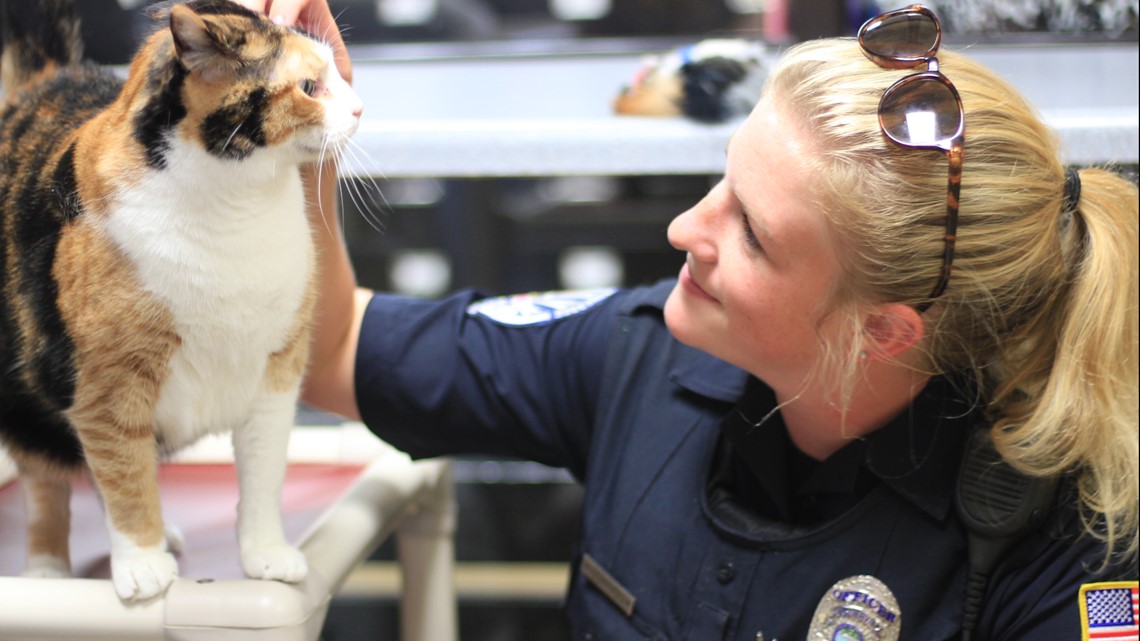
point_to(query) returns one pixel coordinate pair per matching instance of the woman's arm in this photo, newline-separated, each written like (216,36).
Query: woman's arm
(329,383)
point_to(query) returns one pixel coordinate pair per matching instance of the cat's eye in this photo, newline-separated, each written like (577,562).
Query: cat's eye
(309,86)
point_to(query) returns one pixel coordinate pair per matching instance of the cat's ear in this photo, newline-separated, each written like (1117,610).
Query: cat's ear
(199,46)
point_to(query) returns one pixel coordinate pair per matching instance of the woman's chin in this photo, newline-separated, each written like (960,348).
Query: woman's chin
(678,319)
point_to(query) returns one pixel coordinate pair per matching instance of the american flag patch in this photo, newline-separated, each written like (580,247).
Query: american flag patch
(1108,611)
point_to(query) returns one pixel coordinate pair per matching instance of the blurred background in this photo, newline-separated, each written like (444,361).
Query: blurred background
(507,227)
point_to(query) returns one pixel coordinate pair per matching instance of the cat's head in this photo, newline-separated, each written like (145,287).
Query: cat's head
(236,84)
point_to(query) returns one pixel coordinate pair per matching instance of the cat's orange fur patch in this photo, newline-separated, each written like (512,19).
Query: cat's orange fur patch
(50,522)
(124,339)
(287,366)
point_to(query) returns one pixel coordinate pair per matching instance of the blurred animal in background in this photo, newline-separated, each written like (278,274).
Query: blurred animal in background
(711,81)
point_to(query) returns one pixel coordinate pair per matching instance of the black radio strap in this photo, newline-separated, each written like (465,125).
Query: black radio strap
(998,505)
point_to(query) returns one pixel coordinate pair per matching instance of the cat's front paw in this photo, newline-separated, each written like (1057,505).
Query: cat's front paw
(142,574)
(47,567)
(278,562)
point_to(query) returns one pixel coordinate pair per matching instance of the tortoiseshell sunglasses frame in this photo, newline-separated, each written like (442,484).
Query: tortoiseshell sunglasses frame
(953,146)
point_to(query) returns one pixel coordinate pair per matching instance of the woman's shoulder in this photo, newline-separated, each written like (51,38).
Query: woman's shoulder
(647,297)
(1053,581)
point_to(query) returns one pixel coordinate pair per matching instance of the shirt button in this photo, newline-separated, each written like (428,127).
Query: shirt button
(725,573)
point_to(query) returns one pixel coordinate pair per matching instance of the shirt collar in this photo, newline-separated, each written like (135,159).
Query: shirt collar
(706,375)
(919,452)
(690,368)
(916,455)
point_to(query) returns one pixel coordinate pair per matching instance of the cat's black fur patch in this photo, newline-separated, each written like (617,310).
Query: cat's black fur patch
(53,440)
(220,8)
(162,113)
(38,195)
(237,130)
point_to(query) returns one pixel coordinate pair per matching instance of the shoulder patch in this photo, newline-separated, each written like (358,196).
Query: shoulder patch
(1108,611)
(538,308)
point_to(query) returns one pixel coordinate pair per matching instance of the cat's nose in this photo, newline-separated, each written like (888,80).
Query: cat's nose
(358,111)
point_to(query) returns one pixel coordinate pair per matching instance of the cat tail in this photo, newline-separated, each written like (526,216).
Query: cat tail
(40,36)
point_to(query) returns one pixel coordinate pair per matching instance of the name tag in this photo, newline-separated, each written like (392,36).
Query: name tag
(608,585)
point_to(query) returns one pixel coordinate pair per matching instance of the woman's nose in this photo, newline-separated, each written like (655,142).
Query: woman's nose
(692,232)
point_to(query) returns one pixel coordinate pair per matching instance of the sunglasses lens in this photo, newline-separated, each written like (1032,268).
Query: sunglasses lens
(921,111)
(902,35)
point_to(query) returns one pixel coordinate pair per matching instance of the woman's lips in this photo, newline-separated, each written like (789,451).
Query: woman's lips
(690,284)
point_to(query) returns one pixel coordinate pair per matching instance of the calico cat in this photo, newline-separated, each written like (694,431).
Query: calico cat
(157,268)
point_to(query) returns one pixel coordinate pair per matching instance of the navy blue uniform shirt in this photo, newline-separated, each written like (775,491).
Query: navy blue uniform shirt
(682,537)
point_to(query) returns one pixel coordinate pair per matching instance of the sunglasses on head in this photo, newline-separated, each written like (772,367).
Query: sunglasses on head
(922,110)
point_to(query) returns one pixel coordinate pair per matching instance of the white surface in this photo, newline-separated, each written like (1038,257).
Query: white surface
(550,115)
(392,494)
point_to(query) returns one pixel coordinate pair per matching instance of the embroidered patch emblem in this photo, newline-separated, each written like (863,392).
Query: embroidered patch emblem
(538,308)
(1108,611)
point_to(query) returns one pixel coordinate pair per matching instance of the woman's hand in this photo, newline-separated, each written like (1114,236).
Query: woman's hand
(314,17)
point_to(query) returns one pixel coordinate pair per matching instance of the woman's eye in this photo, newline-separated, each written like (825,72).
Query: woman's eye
(308,86)
(749,236)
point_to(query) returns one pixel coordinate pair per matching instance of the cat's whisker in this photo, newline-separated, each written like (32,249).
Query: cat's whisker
(328,29)
(342,27)
(375,204)
(320,182)
(367,190)
(370,168)
(360,200)
(231,138)
(337,161)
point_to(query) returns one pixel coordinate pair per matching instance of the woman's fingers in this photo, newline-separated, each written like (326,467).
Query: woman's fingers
(313,16)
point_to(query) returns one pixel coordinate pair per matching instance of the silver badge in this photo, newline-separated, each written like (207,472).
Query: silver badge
(858,608)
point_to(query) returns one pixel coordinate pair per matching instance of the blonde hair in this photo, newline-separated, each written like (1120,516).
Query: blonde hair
(1042,303)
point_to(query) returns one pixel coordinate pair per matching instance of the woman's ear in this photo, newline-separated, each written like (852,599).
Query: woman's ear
(890,330)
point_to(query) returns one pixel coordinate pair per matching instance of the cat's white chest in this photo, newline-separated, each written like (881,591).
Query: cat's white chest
(233,272)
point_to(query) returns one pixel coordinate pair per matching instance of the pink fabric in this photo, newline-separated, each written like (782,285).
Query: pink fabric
(198,499)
